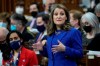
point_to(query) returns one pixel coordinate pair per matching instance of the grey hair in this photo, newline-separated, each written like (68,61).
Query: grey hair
(97,8)
(92,20)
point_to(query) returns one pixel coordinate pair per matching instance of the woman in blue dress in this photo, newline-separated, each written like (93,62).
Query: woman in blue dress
(63,44)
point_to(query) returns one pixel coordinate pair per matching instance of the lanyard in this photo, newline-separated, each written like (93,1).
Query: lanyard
(40,37)
(15,63)
(11,61)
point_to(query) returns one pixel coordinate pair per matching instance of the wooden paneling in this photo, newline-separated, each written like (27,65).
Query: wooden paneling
(0,5)
(27,4)
(9,5)
(70,4)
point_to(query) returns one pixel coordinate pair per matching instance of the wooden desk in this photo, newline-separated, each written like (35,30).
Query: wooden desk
(82,62)
(86,61)
(94,61)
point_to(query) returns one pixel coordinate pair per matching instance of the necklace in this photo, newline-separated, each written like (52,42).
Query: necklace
(57,32)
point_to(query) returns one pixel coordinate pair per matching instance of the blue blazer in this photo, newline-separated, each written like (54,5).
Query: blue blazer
(72,39)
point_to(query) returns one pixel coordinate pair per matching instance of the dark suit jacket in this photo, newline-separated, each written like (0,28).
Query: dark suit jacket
(27,35)
(28,24)
(43,38)
(95,43)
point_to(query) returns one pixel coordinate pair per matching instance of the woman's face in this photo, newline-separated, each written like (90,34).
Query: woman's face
(85,23)
(59,16)
(14,37)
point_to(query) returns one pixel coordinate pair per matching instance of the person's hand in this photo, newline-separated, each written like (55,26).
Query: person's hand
(38,46)
(34,46)
(44,42)
(58,48)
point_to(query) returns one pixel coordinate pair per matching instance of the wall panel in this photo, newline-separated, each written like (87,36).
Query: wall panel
(9,5)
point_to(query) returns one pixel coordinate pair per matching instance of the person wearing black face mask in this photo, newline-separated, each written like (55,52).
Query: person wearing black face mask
(3,44)
(90,26)
(41,28)
(34,14)
(87,28)
(34,9)
(19,52)
(41,22)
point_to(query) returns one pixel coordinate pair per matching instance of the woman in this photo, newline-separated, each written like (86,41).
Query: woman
(64,44)
(90,26)
(19,55)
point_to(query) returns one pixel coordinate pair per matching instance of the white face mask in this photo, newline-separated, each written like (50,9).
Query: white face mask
(19,10)
(3,24)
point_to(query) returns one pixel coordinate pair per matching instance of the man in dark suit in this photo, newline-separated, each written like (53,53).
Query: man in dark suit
(33,11)
(19,23)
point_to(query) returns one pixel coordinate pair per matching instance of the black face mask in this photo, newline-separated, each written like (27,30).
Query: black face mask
(41,28)
(0,46)
(6,50)
(3,47)
(34,14)
(87,28)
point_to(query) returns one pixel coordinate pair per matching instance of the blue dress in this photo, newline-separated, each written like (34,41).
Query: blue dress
(72,39)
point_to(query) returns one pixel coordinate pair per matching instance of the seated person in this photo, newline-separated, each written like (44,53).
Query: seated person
(19,55)
(41,21)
